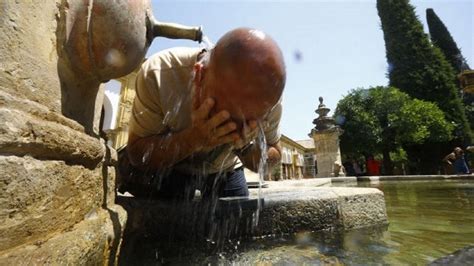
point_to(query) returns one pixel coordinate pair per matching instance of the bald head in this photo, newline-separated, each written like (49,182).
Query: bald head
(246,73)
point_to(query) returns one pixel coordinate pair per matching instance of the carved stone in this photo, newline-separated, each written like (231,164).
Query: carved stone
(57,178)
(326,141)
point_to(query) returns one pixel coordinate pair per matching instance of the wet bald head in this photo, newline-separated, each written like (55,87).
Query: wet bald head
(245,74)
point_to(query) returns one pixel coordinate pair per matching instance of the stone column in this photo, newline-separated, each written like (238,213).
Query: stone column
(326,141)
(327,152)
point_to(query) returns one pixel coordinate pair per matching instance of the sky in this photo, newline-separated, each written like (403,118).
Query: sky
(330,47)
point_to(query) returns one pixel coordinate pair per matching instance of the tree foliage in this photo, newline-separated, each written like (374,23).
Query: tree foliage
(384,119)
(441,37)
(417,67)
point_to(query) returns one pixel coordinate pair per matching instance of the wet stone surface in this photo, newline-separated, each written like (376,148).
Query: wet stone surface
(463,256)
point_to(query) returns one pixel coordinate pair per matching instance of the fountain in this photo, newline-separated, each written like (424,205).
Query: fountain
(58,176)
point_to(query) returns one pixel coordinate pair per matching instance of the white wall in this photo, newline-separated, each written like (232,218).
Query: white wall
(111,104)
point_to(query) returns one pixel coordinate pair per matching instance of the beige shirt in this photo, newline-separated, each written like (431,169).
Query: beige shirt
(163,105)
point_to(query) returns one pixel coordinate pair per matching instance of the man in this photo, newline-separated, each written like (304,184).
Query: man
(456,160)
(197,113)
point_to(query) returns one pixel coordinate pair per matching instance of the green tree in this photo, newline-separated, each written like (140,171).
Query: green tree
(384,119)
(419,68)
(441,37)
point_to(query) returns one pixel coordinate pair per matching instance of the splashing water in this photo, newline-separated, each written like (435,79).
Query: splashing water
(147,155)
(206,43)
(262,143)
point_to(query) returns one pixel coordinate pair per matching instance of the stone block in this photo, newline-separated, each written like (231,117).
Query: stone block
(291,211)
(313,209)
(93,241)
(45,136)
(39,198)
(360,207)
(28,51)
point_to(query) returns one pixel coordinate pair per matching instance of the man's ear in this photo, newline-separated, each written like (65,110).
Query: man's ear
(197,84)
(199,71)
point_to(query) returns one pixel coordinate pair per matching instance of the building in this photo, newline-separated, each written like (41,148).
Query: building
(310,165)
(118,101)
(298,160)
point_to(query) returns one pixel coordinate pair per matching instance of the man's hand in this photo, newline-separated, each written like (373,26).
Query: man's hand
(249,133)
(209,132)
(204,133)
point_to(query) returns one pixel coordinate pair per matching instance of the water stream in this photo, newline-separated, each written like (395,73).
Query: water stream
(262,166)
(206,43)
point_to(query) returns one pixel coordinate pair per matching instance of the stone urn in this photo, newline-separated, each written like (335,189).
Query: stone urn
(109,39)
(101,40)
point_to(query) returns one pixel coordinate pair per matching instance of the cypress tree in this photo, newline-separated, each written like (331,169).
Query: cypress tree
(441,37)
(419,68)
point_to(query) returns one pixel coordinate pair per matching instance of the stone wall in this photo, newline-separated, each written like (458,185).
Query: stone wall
(57,177)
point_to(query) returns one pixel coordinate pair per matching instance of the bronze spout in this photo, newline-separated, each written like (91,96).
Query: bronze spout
(174,31)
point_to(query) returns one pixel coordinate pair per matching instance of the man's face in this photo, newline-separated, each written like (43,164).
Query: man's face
(244,110)
(238,98)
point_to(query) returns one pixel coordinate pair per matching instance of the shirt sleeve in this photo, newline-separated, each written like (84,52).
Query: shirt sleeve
(272,125)
(147,114)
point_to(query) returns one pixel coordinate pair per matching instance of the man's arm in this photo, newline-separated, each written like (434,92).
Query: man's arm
(164,150)
(159,151)
(449,157)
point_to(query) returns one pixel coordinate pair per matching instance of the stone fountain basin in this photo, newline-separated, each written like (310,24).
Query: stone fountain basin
(305,208)
(284,210)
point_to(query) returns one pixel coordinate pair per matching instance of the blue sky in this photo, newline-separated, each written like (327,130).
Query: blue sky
(341,43)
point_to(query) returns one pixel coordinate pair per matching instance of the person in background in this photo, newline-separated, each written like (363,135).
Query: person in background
(372,166)
(457,160)
(356,167)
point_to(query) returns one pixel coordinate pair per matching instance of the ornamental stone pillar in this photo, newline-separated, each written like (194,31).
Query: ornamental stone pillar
(326,141)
